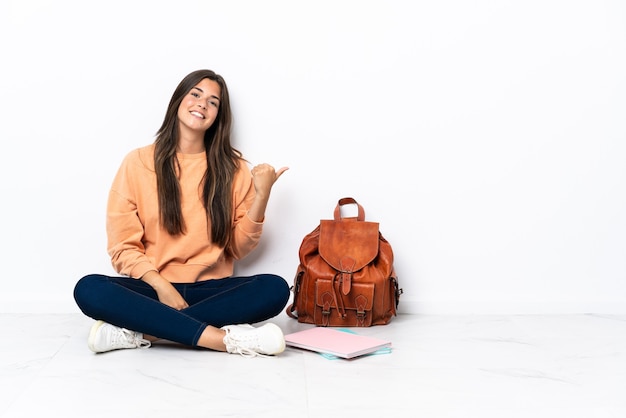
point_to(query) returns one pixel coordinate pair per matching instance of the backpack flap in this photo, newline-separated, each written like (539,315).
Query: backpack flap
(347,246)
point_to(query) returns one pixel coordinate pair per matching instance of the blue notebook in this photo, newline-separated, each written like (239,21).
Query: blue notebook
(330,341)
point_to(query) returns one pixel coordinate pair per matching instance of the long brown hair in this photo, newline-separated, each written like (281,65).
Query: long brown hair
(222,163)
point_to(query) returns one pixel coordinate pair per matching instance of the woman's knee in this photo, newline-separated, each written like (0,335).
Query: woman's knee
(85,285)
(278,288)
(86,291)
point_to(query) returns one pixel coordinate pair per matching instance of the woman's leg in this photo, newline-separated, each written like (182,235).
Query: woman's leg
(236,300)
(228,303)
(133,304)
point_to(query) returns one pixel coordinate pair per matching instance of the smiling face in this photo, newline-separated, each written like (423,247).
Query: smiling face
(198,109)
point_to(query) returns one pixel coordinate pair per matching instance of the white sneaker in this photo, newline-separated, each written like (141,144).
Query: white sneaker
(248,341)
(106,337)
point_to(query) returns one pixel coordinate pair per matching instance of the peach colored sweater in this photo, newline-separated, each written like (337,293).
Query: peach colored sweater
(136,241)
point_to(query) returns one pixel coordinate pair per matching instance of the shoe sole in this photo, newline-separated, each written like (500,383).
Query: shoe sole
(92,336)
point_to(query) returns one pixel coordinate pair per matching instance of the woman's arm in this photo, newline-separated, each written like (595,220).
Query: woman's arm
(264,176)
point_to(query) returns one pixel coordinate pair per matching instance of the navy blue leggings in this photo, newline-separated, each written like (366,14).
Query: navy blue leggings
(133,304)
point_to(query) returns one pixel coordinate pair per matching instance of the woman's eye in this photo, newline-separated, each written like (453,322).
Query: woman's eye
(194,94)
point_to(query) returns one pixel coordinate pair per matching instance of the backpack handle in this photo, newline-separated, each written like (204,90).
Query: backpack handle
(348,201)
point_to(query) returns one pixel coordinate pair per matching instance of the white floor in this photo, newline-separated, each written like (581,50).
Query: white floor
(441,366)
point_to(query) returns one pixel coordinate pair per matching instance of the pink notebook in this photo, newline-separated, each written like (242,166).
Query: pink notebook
(339,343)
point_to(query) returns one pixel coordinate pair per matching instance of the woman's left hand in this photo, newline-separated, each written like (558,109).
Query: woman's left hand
(264,176)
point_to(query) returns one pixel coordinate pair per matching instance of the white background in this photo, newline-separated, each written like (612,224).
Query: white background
(488,138)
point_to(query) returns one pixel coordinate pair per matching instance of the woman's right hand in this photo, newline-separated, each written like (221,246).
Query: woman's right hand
(166,292)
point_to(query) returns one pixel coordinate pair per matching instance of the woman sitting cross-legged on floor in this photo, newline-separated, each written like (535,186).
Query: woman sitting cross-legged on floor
(180,212)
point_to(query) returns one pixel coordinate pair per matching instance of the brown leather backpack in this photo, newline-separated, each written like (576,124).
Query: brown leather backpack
(346,276)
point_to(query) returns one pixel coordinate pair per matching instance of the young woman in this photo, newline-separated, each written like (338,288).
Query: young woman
(180,212)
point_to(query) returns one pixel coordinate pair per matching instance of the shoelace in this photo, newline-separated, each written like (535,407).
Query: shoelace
(132,338)
(242,350)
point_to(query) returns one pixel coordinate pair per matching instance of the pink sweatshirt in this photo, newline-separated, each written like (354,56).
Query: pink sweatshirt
(138,244)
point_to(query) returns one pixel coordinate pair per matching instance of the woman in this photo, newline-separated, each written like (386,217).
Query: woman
(180,212)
